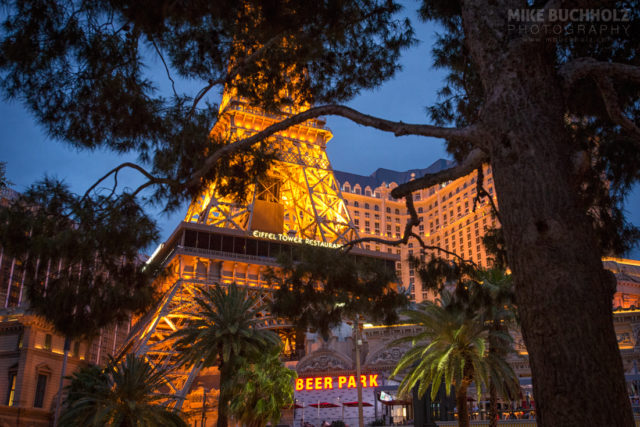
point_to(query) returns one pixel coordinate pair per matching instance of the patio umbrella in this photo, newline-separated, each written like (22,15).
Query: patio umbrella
(352,404)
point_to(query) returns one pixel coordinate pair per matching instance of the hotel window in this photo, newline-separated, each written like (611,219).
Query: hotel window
(388,228)
(356,204)
(397,219)
(367,192)
(346,188)
(416,196)
(397,211)
(388,209)
(367,224)
(366,214)
(376,225)
(376,194)
(366,205)
(376,208)
(376,216)
(11,387)
(397,228)
(41,387)
(421,227)
(356,213)
(388,219)
(346,203)
(47,342)
(419,210)
(356,221)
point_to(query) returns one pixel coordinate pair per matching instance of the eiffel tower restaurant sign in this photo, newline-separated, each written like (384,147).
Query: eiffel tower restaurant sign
(294,239)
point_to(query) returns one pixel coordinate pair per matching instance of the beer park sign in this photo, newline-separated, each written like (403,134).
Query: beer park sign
(331,383)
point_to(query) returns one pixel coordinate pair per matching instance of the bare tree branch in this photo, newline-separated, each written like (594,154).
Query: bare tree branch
(473,160)
(610,99)
(408,230)
(580,68)
(482,192)
(166,67)
(469,133)
(152,180)
(414,220)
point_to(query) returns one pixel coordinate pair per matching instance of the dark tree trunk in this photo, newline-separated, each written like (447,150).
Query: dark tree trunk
(463,409)
(493,404)
(563,292)
(223,399)
(493,392)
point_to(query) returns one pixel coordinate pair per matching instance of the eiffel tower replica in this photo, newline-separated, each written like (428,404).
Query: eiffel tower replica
(223,241)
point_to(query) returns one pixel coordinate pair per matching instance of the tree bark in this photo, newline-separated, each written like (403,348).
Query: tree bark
(562,290)
(223,399)
(67,345)
(461,403)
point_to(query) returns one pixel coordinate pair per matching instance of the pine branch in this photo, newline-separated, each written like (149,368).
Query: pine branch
(469,133)
(151,179)
(235,71)
(610,99)
(579,68)
(474,160)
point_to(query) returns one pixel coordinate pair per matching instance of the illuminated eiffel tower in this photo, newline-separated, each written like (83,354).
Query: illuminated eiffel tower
(223,241)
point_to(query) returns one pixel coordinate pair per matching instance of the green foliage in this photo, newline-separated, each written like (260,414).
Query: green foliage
(260,389)
(223,333)
(124,394)
(81,69)
(83,270)
(4,182)
(452,349)
(223,328)
(321,287)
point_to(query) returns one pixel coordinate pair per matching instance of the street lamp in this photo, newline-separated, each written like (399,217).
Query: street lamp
(203,421)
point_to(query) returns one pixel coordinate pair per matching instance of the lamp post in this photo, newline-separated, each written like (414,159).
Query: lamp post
(358,375)
(203,421)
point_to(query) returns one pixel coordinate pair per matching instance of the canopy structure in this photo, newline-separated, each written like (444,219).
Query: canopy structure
(324,405)
(352,404)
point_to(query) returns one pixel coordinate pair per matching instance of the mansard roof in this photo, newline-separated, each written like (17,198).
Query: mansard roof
(388,176)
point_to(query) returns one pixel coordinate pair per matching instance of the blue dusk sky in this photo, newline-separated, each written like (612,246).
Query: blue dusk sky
(30,154)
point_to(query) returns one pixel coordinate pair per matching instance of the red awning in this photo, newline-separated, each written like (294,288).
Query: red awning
(351,404)
(324,405)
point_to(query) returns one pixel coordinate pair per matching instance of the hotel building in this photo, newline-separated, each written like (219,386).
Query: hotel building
(448,218)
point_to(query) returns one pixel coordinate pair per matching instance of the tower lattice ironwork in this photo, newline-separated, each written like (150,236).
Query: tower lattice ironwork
(224,241)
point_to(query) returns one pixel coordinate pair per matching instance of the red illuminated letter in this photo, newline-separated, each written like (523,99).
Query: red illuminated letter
(352,382)
(341,381)
(299,384)
(373,380)
(328,383)
(308,384)
(318,384)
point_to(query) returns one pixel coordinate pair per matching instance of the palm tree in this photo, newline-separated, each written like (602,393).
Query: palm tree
(492,298)
(261,390)
(122,395)
(221,333)
(452,348)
